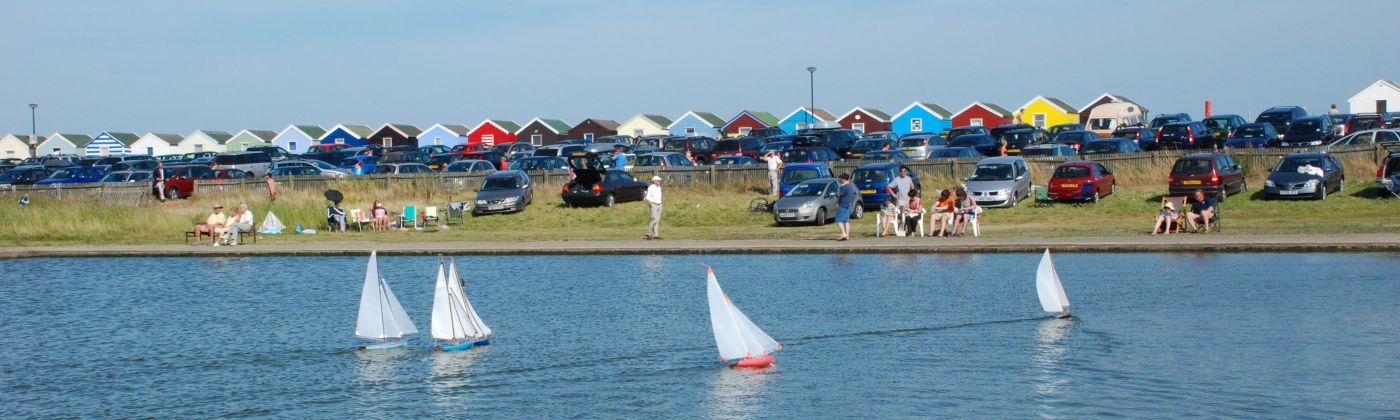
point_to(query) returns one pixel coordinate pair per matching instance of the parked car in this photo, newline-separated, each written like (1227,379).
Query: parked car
(885,156)
(955,153)
(1083,180)
(487,155)
(1308,132)
(809,155)
(411,156)
(504,192)
(1021,138)
(867,145)
(508,149)
(795,173)
(735,161)
(873,178)
(646,144)
(1000,181)
(180,179)
(1223,125)
(402,168)
(1075,138)
(667,159)
(812,201)
(838,140)
(463,149)
(320,148)
(737,146)
(1367,137)
(997,131)
(594,184)
(1161,120)
(983,143)
(885,135)
(1048,150)
(956,132)
(252,162)
(1252,136)
(1146,138)
(127,177)
(1360,122)
(470,166)
(73,175)
(1281,116)
(560,150)
(274,153)
(24,175)
(1339,123)
(1187,135)
(777,146)
(1061,128)
(134,165)
(540,163)
(1216,174)
(700,148)
(1386,172)
(304,171)
(1106,118)
(1109,146)
(360,164)
(435,149)
(169,159)
(616,138)
(1290,179)
(919,146)
(766,132)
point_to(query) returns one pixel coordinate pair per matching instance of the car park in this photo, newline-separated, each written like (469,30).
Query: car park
(838,140)
(874,178)
(1224,124)
(1216,174)
(1281,116)
(1048,150)
(540,163)
(666,159)
(504,192)
(1146,138)
(919,146)
(360,164)
(1001,181)
(885,156)
(812,201)
(470,166)
(594,184)
(1305,175)
(775,146)
(737,146)
(1083,180)
(867,145)
(810,154)
(735,161)
(1021,138)
(699,148)
(304,171)
(1187,135)
(1075,138)
(1307,132)
(24,175)
(1109,146)
(1252,136)
(124,177)
(1161,120)
(795,173)
(954,153)
(255,163)
(983,143)
(397,169)
(956,132)
(73,175)
(1368,137)
(1061,128)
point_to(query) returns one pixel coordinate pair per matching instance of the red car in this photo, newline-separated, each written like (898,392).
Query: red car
(1083,180)
(179,180)
(463,149)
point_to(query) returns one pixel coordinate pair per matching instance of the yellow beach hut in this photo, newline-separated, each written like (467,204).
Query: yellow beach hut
(1045,112)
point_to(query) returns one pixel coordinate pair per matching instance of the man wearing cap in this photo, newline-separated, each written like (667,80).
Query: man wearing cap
(213,225)
(653,200)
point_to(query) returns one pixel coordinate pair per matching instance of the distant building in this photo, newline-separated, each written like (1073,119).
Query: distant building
(493,132)
(110,144)
(204,141)
(156,144)
(543,131)
(918,117)
(299,138)
(353,135)
(746,121)
(1044,112)
(16,146)
(444,135)
(592,128)
(696,124)
(803,118)
(392,135)
(865,120)
(249,138)
(645,125)
(985,114)
(63,144)
(1382,96)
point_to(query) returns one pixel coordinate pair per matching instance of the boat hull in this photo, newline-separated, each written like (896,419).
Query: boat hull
(755,362)
(466,345)
(384,346)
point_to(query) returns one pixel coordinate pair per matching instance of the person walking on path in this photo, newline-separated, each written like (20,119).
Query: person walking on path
(271,187)
(846,203)
(775,166)
(160,181)
(653,200)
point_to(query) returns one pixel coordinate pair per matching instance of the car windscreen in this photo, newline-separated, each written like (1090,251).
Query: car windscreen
(1217,123)
(65,174)
(793,176)
(115,177)
(913,142)
(1038,152)
(1249,131)
(1292,164)
(648,143)
(1161,121)
(992,172)
(650,160)
(1192,167)
(807,189)
(500,183)
(1308,126)
(966,141)
(727,146)
(1100,147)
(1276,118)
(1071,172)
(674,145)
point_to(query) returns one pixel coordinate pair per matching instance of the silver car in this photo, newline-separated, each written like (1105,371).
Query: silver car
(812,201)
(999,181)
(918,146)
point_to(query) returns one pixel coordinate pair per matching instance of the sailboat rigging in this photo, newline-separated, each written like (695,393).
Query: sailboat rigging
(454,319)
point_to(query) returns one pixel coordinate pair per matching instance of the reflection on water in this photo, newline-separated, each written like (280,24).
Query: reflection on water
(1048,356)
(450,371)
(738,393)
(381,365)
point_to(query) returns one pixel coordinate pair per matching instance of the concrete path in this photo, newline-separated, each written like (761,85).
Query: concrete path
(1377,242)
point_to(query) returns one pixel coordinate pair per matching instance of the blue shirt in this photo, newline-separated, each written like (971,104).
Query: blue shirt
(620,161)
(847,197)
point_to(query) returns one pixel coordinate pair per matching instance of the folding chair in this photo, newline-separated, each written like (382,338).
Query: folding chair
(1394,187)
(1178,203)
(1042,196)
(430,214)
(357,217)
(454,211)
(410,214)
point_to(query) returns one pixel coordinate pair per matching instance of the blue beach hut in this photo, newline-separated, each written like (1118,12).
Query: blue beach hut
(922,117)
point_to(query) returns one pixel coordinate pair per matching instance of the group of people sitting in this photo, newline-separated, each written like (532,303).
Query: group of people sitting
(1202,211)
(378,217)
(223,229)
(953,211)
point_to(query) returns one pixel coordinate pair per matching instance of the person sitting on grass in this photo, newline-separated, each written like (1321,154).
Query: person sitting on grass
(1165,218)
(889,216)
(1202,209)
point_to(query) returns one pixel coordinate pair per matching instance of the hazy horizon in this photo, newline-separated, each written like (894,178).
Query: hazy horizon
(178,66)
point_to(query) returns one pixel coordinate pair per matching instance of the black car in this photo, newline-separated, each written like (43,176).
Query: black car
(1305,175)
(1000,129)
(984,143)
(1187,135)
(1223,125)
(1162,120)
(1061,128)
(967,129)
(1307,132)
(594,184)
(1252,136)
(272,152)
(1022,138)
(809,155)
(1146,138)
(700,148)
(837,139)
(24,175)
(1109,146)
(1281,116)
(766,132)
(504,192)
(1075,138)
(868,145)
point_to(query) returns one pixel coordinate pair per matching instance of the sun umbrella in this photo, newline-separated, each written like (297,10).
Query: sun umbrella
(334,195)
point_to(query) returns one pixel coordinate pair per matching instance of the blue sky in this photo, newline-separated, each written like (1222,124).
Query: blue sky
(177,66)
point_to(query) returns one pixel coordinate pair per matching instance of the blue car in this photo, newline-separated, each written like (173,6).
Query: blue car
(1251,136)
(360,164)
(982,142)
(795,173)
(872,178)
(74,175)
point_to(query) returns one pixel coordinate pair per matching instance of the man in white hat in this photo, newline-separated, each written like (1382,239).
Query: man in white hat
(653,200)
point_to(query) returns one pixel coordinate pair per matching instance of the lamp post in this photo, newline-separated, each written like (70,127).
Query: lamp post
(811,94)
(33,132)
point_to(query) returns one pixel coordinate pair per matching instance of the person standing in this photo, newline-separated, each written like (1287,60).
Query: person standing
(160,181)
(899,187)
(846,203)
(272,186)
(653,200)
(1333,110)
(619,159)
(775,166)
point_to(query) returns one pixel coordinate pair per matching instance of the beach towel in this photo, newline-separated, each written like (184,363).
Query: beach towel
(271,225)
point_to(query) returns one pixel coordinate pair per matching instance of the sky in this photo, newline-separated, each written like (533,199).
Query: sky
(175,66)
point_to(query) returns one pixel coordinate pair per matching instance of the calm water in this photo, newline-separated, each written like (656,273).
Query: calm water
(866,335)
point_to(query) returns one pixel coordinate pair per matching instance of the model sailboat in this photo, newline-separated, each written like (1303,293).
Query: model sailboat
(381,318)
(1052,293)
(454,319)
(735,335)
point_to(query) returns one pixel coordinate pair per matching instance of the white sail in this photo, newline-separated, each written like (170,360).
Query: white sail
(475,327)
(1048,287)
(271,224)
(400,318)
(381,316)
(735,335)
(445,323)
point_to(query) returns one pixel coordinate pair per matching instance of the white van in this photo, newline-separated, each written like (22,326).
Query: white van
(252,162)
(1110,116)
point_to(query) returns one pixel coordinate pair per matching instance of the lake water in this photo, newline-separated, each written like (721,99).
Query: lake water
(1175,335)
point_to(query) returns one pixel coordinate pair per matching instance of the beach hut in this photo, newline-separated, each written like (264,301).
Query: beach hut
(645,125)
(1044,112)
(746,120)
(983,114)
(1382,96)
(390,135)
(865,120)
(353,135)
(921,117)
(696,124)
(249,138)
(204,141)
(802,118)
(1105,98)
(16,146)
(444,135)
(63,144)
(156,144)
(493,132)
(593,128)
(110,143)
(297,138)
(542,131)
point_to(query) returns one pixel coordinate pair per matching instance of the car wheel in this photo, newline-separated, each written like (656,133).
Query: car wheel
(1014,200)
(821,217)
(609,201)
(857,212)
(1342,185)
(1113,188)
(172,193)
(1224,193)
(1096,195)
(1322,191)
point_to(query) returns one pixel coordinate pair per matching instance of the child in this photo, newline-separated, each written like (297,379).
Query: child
(1165,218)
(889,216)
(915,212)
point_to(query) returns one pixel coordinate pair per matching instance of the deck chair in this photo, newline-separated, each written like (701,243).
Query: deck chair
(1042,196)
(410,214)
(1394,187)
(454,211)
(358,218)
(430,214)
(1178,203)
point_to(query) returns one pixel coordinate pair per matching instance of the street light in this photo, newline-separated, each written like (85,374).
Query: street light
(811,94)
(33,132)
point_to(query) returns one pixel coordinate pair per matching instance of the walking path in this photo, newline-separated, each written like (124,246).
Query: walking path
(1366,242)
